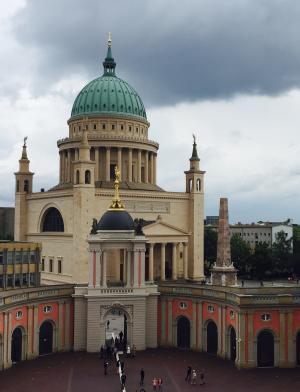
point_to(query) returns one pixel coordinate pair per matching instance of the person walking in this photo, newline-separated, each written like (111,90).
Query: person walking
(160,383)
(142,375)
(105,367)
(154,383)
(117,366)
(123,380)
(202,382)
(188,374)
(122,367)
(194,377)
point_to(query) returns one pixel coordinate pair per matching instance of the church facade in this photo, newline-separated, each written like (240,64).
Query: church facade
(110,116)
(120,254)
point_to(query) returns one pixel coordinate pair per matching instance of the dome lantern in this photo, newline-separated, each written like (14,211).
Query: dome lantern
(109,62)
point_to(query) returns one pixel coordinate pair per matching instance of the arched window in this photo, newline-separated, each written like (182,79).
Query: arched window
(198,184)
(190,185)
(77,176)
(87,177)
(53,220)
(26,186)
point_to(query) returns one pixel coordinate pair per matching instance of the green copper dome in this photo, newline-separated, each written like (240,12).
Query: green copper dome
(108,95)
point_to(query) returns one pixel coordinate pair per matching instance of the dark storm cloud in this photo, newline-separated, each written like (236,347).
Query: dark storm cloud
(170,51)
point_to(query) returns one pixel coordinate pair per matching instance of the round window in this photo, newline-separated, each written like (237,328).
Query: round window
(265,317)
(231,314)
(19,314)
(183,305)
(47,309)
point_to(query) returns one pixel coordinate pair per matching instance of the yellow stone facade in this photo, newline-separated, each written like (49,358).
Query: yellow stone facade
(95,144)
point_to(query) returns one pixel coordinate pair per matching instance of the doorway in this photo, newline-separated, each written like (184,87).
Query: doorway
(16,345)
(212,337)
(265,349)
(298,348)
(46,338)
(232,344)
(183,332)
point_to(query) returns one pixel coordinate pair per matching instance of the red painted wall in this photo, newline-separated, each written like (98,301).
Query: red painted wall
(23,321)
(46,316)
(229,320)
(206,315)
(273,324)
(177,311)
(1,323)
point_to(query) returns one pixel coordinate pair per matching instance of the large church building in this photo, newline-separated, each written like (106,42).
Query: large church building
(108,127)
(120,254)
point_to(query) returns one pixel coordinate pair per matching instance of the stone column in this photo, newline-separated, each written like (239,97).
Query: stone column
(185,260)
(9,335)
(62,166)
(154,168)
(6,337)
(107,164)
(120,162)
(139,166)
(130,164)
(67,326)
(151,247)
(96,163)
(128,269)
(135,268)
(36,332)
(174,261)
(29,331)
(146,167)
(163,262)
(199,327)
(194,326)
(91,269)
(98,269)
(76,154)
(104,262)
(151,167)
(69,166)
(61,336)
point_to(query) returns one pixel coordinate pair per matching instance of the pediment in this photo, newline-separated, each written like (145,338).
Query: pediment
(161,228)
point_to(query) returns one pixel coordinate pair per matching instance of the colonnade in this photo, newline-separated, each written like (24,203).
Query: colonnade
(135,165)
(134,268)
(175,254)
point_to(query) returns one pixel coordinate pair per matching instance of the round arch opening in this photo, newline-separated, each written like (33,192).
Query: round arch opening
(46,338)
(183,332)
(265,349)
(212,337)
(52,221)
(17,345)
(232,337)
(298,348)
(117,328)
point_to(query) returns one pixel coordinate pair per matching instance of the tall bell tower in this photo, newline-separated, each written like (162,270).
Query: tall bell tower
(24,179)
(195,188)
(83,201)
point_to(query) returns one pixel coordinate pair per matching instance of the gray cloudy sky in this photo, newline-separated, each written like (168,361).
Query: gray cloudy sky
(228,71)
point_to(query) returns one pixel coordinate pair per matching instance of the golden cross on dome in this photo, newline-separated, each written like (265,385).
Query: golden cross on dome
(117,203)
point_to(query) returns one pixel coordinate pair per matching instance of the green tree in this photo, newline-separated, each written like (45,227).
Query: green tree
(210,247)
(282,254)
(261,261)
(240,254)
